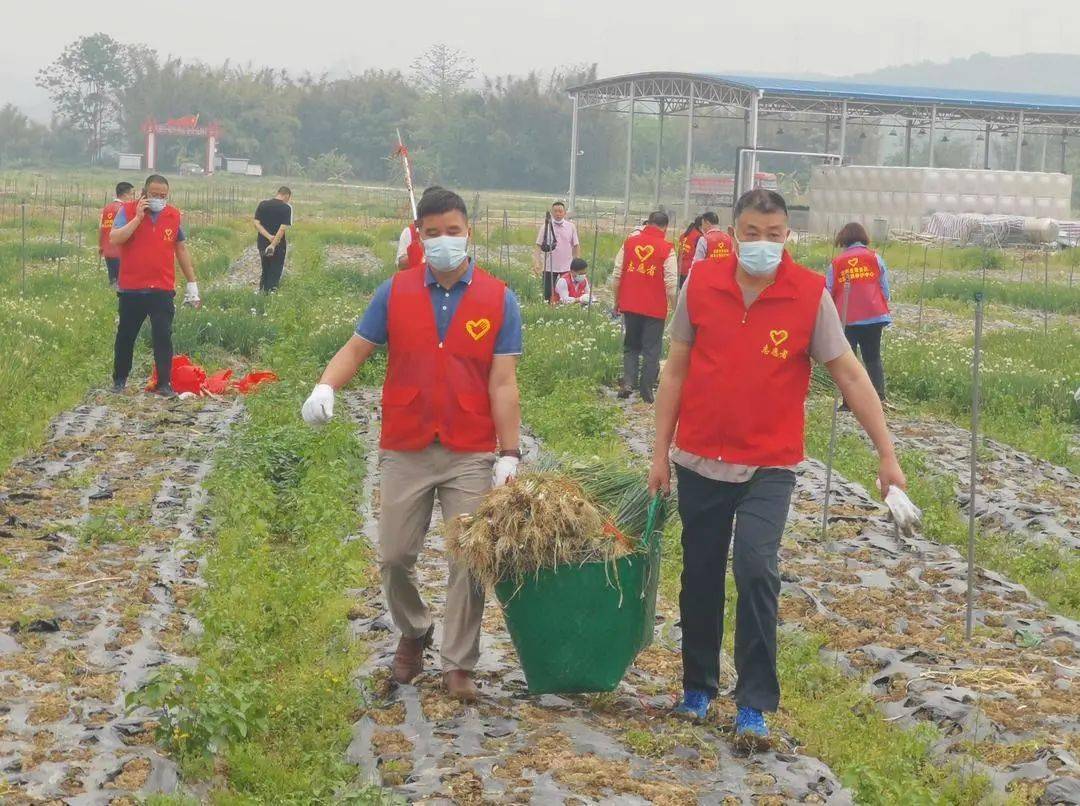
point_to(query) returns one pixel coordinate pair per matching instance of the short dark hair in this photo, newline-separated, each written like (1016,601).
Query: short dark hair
(711,217)
(284,190)
(851,234)
(559,204)
(761,201)
(155,179)
(658,219)
(578,264)
(431,189)
(437,201)
(122,188)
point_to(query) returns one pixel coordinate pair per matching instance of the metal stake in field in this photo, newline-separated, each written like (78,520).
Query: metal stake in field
(832,428)
(969,622)
(1046,292)
(592,263)
(24,245)
(922,283)
(78,255)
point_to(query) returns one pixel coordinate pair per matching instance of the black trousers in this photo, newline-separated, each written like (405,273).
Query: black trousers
(134,309)
(755,513)
(550,278)
(272,267)
(643,339)
(866,340)
(682,280)
(112,265)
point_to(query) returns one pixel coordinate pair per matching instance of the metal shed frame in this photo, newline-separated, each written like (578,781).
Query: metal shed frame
(751,98)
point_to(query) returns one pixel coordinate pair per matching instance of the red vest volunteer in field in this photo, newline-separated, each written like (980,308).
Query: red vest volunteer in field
(687,246)
(109,251)
(715,244)
(453,334)
(151,242)
(863,271)
(732,397)
(644,284)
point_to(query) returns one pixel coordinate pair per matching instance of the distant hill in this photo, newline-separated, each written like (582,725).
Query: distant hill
(1051,73)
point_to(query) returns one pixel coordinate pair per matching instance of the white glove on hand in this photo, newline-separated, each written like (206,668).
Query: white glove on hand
(506,468)
(319,407)
(269,250)
(904,512)
(191,294)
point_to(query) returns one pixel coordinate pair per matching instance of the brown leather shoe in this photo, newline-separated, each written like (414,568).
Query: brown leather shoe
(459,685)
(409,657)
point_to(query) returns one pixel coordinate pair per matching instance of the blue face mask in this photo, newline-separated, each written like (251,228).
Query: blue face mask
(759,258)
(446,252)
(580,278)
(156,205)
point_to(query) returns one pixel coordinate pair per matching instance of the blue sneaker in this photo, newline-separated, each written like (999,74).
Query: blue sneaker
(694,705)
(750,724)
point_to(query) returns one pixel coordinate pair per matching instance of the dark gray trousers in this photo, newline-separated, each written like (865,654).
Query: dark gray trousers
(711,511)
(643,338)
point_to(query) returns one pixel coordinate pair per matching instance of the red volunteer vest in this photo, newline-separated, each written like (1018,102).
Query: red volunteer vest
(573,288)
(108,214)
(415,251)
(148,257)
(718,245)
(687,247)
(439,390)
(641,287)
(744,394)
(866,300)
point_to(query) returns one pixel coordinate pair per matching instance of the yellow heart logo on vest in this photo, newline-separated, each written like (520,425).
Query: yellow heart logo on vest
(778,336)
(853,262)
(478,328)
(644,251)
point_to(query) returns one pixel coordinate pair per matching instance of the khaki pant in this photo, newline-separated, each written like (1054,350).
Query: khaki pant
(408,482)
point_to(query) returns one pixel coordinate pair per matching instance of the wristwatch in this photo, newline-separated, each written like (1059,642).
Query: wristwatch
(515,452)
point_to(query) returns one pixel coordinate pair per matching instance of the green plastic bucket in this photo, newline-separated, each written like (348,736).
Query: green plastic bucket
(577,628)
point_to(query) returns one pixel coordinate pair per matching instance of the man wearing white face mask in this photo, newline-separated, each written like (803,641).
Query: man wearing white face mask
(735,385)
(150,237)
(453,334)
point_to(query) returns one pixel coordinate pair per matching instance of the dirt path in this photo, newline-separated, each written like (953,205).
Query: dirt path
(245,271)
(892,608)
(513,748)
(99,525)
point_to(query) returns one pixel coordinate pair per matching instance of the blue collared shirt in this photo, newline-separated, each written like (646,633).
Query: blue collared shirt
(374,324)
(883,279)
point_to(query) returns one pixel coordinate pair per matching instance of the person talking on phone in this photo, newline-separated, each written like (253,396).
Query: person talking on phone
(272,218)
(151,240)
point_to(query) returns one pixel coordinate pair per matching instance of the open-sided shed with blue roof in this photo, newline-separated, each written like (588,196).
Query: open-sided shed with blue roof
(752,98)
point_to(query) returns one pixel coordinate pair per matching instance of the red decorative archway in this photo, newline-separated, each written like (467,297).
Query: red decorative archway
(180,127)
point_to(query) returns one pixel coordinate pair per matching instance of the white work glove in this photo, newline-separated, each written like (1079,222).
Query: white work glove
(505,470)
(319,407)
(904,511)
(191,294)
(269,250)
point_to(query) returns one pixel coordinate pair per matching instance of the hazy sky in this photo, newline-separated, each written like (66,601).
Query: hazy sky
(838,37)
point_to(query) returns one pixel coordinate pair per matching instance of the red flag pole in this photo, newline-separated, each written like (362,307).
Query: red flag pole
(404,154)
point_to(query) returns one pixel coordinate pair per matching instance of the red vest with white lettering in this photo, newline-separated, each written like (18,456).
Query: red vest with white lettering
(108,215)
(148,257)
(438,390)
(866,300)
(641,286)
(745,391)
(718,245)
(687,248)
(415,250)
(574,289)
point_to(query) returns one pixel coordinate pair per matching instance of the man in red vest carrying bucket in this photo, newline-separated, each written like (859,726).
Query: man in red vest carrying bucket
(453,334)
(151,242)
(734,386)
(644,284)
